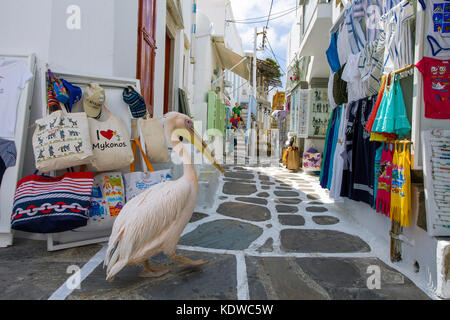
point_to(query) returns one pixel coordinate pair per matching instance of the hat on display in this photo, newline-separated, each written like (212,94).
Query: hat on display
(135,101)
(74,92)
(94,100)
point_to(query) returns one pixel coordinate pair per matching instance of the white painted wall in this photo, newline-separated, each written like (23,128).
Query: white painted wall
(160,36)
(203,68)
(215,11)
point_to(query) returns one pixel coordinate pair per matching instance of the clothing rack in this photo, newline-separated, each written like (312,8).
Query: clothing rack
(411,66)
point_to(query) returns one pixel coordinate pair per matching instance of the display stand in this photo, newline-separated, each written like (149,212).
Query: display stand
(113,87)
(436,170)
(13,174)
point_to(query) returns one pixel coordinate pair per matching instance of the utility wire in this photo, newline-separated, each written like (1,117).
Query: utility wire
(261,21)
(262,17)
(273,53)
(267,24)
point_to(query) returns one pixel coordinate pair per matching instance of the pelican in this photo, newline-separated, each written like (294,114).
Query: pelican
(152,222)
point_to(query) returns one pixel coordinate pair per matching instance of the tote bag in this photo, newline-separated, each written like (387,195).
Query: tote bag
(108,199)
(61,140)
(50,205)
(138,182)
(110,144)
(153,135)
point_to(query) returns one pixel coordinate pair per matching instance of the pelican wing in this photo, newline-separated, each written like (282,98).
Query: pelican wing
(143,219)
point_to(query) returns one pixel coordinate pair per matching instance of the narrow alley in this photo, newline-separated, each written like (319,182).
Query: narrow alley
(271,234)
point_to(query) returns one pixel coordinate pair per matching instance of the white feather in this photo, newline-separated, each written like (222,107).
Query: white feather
(143,222)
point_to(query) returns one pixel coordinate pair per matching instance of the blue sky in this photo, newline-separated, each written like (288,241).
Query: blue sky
(278,31)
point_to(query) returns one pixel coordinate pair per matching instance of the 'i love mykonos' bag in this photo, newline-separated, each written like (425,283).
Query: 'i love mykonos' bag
(110,144)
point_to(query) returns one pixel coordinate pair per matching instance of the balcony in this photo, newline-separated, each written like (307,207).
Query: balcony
(317,21)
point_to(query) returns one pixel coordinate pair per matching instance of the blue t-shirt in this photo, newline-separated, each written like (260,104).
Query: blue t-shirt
(332,54)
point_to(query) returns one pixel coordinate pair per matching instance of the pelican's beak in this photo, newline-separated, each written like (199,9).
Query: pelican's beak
(201,145)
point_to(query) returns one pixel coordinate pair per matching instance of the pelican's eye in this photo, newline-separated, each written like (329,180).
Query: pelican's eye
(181,138)
(189,124)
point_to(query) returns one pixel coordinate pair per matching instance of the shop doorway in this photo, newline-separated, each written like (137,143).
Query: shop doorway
(146,50)
(168,97)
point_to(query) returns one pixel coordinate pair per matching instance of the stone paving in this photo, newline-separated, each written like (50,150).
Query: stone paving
(272,234)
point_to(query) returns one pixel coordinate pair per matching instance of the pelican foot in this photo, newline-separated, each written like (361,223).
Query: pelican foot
(153,272)
(187,261)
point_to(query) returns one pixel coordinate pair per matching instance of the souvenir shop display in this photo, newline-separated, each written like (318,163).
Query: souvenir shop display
(363,158)
(302,108)
(154,138)
(436,159)
(61,140)
(107,199)
(110,143)
(52,204)
(319,112)
(17,78)
(137,182)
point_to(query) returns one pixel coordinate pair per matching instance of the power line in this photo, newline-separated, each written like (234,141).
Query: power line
(273,53)
(263,17)
(267,24)
(261,21)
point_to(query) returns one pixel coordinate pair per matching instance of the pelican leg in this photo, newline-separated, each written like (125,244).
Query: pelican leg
(153,272)
(187,261)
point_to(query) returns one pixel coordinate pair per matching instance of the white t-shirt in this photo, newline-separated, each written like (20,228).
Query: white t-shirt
(343,44)
(330,90)
(352,76)
(14,74)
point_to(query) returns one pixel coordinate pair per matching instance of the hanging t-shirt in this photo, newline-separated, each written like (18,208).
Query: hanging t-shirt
(438,29)
(338,166)
(436,87)
(332,53)
(364,155)
(330,91)
(326,163)
(391,117)
(343,44)
(14,74)
(371,64)
(400,209)
(396,24)
(352,76)
(347,154)
(339,88)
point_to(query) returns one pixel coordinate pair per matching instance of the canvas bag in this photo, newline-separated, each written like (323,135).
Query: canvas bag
(153,135)
(293,158)
(138,182)
(61,140)
(110,144)
(49,205)
(108,199)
